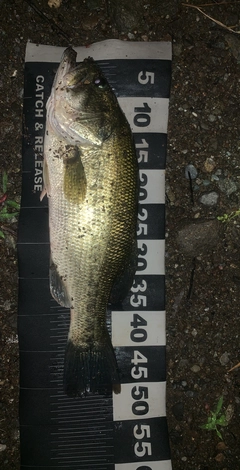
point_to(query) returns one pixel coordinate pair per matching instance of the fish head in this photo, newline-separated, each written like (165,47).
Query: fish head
(82,107)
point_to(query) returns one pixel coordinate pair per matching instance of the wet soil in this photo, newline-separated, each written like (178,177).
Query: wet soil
(202,253)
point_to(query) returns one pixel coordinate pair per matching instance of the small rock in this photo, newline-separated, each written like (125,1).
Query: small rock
(7,305)
(178,410)
(209,164)
(211,118)
(126,15)
(227,186)
(204,126)
(191,171)
(233,44)
(213,143)
(54,3)
(195,368)
(175,436)
(198,236)
(2,447)
(221,446)
(224,359)
(92,4)
(183,363)
(177,49)
(229,412)
(170,194)
(91,22)
(220,457)
(12,320)
(209,199)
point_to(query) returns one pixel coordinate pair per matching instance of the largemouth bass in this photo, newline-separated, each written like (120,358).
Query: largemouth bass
(91,180)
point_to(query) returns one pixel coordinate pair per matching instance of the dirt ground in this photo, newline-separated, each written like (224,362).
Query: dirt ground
(202,252)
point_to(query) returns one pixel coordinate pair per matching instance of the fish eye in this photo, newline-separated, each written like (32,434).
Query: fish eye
(101,83)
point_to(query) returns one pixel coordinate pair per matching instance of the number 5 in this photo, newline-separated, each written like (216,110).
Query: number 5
(142,449)
(141,430)
(145,77)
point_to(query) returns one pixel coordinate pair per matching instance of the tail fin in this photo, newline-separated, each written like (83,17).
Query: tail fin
(90,370)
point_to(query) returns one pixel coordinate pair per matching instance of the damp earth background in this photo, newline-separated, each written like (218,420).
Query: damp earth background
(202,253)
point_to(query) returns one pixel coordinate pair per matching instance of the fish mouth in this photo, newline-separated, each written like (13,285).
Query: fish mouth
(67,64)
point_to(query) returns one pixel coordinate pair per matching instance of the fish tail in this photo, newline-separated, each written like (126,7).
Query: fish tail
(91,368)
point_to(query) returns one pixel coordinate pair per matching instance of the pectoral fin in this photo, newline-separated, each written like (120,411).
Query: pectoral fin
(57,287)
(46,182)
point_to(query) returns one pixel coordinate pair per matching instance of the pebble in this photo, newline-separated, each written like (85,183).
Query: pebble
(214,178)
(209,164)
(178,410)
(224,359)
(211,118)
(2,447)
(221,446)
(198,236)
(183,363)
(204,126)
(90,23)
(233,44)
(219,457)
(7,305)
(229,412)
(177,49)
(190,169)
(213,144)
(54,3)
(227,186)
(209,199)
(195,368)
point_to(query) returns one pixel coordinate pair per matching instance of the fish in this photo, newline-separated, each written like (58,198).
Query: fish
(90,175)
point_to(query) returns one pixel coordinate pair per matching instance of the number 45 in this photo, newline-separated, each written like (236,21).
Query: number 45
(141,431)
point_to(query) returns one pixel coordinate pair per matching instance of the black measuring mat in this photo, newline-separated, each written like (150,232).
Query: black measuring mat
(120,432)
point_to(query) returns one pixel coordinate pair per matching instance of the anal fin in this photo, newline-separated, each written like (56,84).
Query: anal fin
(57,287)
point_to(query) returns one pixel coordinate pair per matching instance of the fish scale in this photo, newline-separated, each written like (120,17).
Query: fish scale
(90,172)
